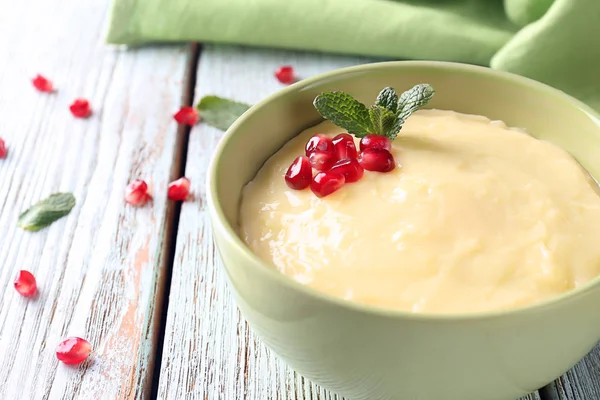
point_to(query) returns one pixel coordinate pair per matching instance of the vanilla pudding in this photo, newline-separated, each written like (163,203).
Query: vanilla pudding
(475,217)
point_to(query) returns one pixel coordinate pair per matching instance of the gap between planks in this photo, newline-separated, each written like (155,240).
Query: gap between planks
(177,171)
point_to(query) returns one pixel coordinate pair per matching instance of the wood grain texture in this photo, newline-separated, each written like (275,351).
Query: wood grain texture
(580,383)
(209,350)
(100,270)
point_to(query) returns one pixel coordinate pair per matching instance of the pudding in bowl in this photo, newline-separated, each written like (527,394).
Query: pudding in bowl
(367,352)
(475,217)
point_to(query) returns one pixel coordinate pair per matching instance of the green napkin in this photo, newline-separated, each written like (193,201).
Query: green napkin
(553,41)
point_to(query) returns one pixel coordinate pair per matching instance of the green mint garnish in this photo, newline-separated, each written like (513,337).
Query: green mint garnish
(219,112)
(46,211)
(344,111)
(388,98)
(385,117)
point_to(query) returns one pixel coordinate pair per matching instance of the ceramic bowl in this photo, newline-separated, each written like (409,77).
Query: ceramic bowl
(367,353)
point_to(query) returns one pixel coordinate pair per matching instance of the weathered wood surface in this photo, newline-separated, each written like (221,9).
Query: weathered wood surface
(100,270)
(580,383)
(209,351)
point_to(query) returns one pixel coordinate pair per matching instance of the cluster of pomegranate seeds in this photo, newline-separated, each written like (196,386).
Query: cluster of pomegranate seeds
(73,350)
(42,84)
(25,283)
(3,150)
(136,193)
(285,74)
(179,190)
(338,162)
(80,108)
(186,116)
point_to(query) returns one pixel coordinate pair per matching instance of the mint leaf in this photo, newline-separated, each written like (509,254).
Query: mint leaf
(413,99)
(388,98)
(382,119)
(46,211)
(219,112)
(344,111)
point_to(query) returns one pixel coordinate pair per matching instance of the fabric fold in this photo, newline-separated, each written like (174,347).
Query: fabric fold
(554,41)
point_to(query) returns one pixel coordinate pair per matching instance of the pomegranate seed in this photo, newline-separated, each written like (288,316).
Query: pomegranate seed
(318,142)
(379,160)
(299,174)
(25,283)
(375,142)
(343,145)
(42,84)
(285,74)
(136,193)
(350,168)
(179,189)
(80,108)
(325,183)
(322,160)
(73,350)
(186,116)
(3,150)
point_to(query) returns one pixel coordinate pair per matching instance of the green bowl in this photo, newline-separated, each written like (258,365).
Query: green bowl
(368,353)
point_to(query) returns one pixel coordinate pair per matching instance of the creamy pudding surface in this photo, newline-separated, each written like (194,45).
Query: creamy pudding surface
(475,217)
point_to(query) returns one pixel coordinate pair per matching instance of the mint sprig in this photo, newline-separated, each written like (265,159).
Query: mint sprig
(386,117)
(344,111)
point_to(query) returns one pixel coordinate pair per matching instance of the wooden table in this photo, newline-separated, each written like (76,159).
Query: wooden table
(143,285)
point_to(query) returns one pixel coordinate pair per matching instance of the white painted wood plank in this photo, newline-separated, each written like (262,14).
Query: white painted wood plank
(99,270)
(209,350)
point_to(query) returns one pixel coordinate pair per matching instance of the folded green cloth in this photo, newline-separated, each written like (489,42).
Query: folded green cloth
(553,41)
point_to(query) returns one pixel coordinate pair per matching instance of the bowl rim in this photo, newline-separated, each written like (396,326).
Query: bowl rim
(219,221)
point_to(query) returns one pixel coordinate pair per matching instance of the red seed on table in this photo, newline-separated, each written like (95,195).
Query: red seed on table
(379,160)
(73,350)
(25,283)
(80,108)
(344,147)
(285,74)
(319,142)
(325,183)
(42,84)
(350,168)
(299,174)
(179,190)
(3,149)
(375,142)
(136,193)
(186,115)
(321,160)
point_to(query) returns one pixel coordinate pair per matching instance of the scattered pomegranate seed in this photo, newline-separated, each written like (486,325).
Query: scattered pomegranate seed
(299,174)
(318,142)
(375,142)
(285,74)
(136,193)
(325,183)
(321,160)
(80,108)
(25,283)
(179,189)
(350,168)
(42,84)
(374,159)
(3,150)
(343,145)
(73,350)
(186,115)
